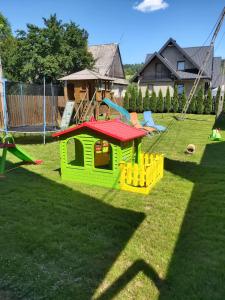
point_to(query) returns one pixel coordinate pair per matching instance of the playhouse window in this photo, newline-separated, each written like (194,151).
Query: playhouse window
(103,155)
(75,153)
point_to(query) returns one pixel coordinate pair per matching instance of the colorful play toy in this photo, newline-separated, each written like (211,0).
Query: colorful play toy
(7,144)
(148,121)
(190,149)
(108,154)
(215,135)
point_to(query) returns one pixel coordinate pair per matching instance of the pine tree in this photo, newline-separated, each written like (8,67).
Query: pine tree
(160,102)
(126,101)
(139,106)
(192,106)
(133,98)
(153,101)
(200,101)
(175,99)
(183,100)
(146,100)
(217,100)
(208,103)
(168,101)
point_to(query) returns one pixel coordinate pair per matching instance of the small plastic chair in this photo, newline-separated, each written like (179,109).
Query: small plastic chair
(148,121)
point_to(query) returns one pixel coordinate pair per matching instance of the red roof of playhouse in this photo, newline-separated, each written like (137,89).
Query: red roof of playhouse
(113,128)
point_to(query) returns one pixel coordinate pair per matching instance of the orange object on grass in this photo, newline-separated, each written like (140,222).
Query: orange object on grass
(135,122)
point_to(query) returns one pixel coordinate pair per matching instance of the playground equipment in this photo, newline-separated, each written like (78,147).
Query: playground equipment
(108,154)
(7,144)
(215,135)
(201,70)
(148,121)
(118,108)
(29,108)
(135,122)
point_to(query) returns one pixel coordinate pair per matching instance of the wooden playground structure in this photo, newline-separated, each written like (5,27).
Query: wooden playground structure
(86,90)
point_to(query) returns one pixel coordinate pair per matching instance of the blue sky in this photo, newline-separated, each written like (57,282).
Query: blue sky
(140,26)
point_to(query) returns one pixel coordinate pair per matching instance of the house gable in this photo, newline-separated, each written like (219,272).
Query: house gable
(174,54)
(108,61)
(116,69)
(156,68)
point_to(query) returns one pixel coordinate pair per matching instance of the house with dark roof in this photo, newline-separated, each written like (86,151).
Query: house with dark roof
(108,62)
(173,64)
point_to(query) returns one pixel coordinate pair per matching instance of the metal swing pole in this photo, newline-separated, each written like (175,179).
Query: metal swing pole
(44,115)
(4,105)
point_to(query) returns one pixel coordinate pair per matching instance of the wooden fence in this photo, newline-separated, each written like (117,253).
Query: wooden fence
(140,178)
(28,110)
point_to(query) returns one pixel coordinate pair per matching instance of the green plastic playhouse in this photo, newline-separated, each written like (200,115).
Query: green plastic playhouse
(108,154)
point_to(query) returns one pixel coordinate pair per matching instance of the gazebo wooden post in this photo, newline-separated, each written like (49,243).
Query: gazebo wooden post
(65,90)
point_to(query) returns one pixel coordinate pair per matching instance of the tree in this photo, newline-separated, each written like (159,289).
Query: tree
(126,101)
(175,99)
(200,101)
(208,102)
(139,105)
(131,69)
(192,106)
(153,101)
(183,99)
(8,47)
(133,98)
(168,101)
(217,100)
(160,102)
(146,100)
(52,51)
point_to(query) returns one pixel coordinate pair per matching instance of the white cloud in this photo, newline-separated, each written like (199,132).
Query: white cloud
(151,5)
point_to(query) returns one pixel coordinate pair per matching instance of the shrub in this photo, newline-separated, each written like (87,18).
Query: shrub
(153,101)
(175,99)
(192,106)
(208,102)
(126,101)
(146,100)
(132,90)
(183,100)
(160,102)
(217,100)
(139,105)
(168,101)
(200,101)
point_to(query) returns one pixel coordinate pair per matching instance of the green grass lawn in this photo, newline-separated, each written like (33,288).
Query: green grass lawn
(61,240)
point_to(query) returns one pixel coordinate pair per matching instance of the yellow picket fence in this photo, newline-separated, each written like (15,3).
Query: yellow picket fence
(140,178)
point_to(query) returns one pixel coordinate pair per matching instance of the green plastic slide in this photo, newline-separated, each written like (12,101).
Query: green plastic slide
(22,155)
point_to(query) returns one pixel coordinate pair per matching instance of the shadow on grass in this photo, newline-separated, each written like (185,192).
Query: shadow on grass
(196,270)
(57,243)
(30,139)
(220,122)
(137,267)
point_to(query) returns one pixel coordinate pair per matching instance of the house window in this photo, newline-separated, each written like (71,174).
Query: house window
(103,155)
(180,66)
(75,152)
(180,88)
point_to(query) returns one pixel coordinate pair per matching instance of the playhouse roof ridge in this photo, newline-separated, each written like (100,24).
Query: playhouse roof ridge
(112,128)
